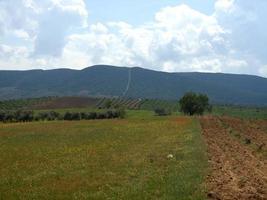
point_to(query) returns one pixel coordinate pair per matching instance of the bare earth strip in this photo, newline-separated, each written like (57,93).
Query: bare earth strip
(250,129)
(237,172)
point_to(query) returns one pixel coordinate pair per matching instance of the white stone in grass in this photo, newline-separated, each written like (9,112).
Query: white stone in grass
(170,156)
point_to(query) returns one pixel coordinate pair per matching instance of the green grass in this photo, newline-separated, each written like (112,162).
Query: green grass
(152,104)
(103,159)
(242,112)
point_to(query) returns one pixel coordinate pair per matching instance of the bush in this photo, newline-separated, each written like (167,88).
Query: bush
(9,117)
(2,116)
(23,116)
(76,116)
(83,115)
(28,116)
(162,112)
(92,115)
(49,116)
(67,116)
(108,104)
(101,116)
(192,103)
(72,116)
(121,113)
(42,116)
(53,116)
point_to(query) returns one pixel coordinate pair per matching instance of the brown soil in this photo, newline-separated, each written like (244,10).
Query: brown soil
(68,102)
(247,129)
(237,171)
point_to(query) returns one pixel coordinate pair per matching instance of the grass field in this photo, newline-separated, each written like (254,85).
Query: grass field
(241,112)
(104,159)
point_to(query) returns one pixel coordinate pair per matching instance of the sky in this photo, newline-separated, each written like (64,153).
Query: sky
(228,36)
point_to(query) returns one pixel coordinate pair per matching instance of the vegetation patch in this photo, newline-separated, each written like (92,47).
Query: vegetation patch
(30,116)
(140,157)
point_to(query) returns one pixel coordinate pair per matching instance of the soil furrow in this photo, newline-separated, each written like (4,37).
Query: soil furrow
(236,172)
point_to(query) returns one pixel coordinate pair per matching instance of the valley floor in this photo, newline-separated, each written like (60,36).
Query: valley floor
(141,157)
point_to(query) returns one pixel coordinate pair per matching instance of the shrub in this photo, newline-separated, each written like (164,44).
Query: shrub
(42,116)
(28,116)
(84,115)
(67,116)
(23,116)
(110,114)
(92,115)
(76,116)
(52,115)
(121,113)
(247,141)
(2,116)
(49,116)
(100,116)
(162,112)
(9,117)
(108,104)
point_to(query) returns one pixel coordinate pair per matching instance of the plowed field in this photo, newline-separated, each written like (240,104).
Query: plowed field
(238,170)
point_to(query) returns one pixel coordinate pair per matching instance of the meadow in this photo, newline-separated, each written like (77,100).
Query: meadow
(140,157)
(241,112)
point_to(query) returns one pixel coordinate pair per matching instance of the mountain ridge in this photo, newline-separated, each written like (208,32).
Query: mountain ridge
(106,80)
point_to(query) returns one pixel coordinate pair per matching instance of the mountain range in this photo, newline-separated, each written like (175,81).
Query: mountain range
(104,80)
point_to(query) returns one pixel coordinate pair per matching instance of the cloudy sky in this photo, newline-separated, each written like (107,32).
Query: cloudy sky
(169,35)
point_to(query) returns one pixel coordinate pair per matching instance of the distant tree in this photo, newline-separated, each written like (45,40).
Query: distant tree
(192,103)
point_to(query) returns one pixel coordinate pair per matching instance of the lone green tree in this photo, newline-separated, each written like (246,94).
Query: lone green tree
(194,104)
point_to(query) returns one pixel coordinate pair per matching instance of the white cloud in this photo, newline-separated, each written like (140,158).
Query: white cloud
(55,23)
(21,34)
(46,22)
(263,71)
(232,39)
(224,6)
(172,39)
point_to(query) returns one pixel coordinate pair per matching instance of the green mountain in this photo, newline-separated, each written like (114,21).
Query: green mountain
(136,82)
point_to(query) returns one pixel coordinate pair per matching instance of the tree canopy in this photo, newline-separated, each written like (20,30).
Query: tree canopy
(192,103)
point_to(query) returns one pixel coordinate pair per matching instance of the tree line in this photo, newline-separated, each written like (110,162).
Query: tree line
(30,116)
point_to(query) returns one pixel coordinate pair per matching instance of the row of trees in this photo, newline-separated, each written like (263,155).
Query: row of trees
(29,116)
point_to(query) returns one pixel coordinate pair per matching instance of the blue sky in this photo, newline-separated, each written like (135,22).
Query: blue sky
(138,11)
(228,36)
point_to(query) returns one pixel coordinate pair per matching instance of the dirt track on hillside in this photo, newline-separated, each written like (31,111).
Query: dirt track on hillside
(237,171)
